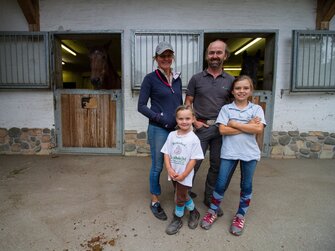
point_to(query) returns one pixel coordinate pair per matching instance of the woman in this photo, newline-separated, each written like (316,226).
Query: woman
(164,89)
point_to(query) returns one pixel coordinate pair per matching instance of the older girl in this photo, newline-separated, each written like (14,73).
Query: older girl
(239,122)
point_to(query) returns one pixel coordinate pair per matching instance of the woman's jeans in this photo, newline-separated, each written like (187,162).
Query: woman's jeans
(156,139)
(227,168)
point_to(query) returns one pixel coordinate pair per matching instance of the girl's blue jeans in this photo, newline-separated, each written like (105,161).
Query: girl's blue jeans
(227,168)
(156,139)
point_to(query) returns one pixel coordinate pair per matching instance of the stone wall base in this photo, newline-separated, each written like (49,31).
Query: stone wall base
(283,145)
(27,141)
(309,145)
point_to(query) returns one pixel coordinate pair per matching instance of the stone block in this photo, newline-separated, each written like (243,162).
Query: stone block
(284,140)
(293,133)
(4,148)
(46,131)
(314,155)
(329,141)
(45,139)
(129,147)
(142,135)
(277,150)
(288,152)
(304,151)
(16,148)
(312,138)
(130,136)
(3,132)
(315,147)
(327,155)
(328,148)
(143,150)
(315,133)
(293,147)
(35,132)
(14,132)
(24,145)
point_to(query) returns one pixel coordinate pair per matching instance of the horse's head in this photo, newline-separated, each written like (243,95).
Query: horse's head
(99,66)
(250,65)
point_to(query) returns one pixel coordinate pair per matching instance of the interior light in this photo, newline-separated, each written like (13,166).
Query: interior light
(63,63)
(68,50)
(232,68)
(247,45)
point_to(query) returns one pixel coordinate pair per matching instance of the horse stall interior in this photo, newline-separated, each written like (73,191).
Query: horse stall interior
(87,76)
(256,61)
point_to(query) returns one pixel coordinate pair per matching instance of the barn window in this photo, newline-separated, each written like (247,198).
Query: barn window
(24,61)
(313,61)
(188,48)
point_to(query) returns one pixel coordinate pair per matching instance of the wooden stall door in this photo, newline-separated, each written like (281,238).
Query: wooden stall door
(259,137)
(88,120)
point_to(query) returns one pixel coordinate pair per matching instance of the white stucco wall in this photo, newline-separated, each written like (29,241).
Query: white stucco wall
(303,112)
(31,109)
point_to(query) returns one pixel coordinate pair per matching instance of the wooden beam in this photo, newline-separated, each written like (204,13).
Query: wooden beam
(31,11)
(324,13)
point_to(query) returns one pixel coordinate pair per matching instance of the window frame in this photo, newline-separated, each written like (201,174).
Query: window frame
(297,68)
(31,67)
(167,35)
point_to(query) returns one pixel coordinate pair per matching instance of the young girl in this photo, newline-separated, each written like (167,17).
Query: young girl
(181,150)
(239,122)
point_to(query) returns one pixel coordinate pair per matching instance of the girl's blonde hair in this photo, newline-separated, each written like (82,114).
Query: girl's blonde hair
(243,77)
(183,108)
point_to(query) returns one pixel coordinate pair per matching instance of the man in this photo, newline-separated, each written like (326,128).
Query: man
(207,92)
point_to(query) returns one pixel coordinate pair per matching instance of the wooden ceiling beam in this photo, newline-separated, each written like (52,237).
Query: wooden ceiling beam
(31,11)
(324,13)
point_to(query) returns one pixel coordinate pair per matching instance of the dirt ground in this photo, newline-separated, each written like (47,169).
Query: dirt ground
(72,202)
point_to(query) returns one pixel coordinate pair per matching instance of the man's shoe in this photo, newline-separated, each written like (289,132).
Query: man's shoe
(208,220)
(158,211)
(192,194)
(174,226)
(193,220)
(219,211)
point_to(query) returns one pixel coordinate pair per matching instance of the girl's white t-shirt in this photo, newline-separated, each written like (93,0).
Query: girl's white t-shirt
(181,149)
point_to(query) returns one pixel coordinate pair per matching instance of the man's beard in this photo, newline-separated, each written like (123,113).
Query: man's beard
(215,64)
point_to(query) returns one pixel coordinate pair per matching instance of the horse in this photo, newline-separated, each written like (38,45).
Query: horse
(250,65)
(103,73)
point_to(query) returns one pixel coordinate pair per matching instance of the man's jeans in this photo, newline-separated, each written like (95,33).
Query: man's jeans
(156,139)
(210,138)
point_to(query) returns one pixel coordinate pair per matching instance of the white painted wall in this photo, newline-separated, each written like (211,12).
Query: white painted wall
(31,109)
(303,112)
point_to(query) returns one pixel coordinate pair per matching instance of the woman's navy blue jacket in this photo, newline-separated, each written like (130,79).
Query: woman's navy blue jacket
(163,100)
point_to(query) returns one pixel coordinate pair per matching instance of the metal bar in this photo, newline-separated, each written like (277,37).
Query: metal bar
(320,60)
(309,62)
(324,79)
(314,66)
(28,75)
(6,60)
(331,60)
(21,61)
